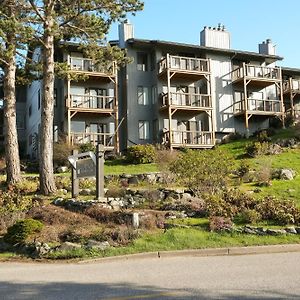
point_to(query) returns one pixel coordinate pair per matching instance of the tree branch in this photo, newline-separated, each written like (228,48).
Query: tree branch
(36,10)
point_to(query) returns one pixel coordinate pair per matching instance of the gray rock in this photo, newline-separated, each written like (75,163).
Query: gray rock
(297,230)
(133,180)
(67,246)
(287,174)
(151,178)
(249,230)
(186,196)
(62,169)
(96,245)
(85,192)
(275,231)
(291,230)
(58,201)
(4,246)
(40,249)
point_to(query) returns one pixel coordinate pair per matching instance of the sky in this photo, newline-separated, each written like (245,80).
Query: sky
(249,22)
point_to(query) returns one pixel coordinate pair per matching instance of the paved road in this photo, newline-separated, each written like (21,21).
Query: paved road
(263,276)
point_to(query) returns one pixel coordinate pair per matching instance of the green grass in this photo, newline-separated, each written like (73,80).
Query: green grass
(7,255)
(180,239)
(119,167)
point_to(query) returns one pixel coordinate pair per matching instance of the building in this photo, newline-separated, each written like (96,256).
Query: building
(174,94)
(86,109)
(192,95)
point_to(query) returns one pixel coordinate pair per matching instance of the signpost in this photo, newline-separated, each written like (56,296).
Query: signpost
(85,165)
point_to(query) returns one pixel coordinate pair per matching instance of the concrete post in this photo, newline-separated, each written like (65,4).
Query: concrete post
(75,180)
(135,220)
(100,172)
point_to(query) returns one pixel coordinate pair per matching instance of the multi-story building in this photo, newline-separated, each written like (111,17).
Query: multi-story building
(191,95)
(291,91)
(86,109)
(175,94)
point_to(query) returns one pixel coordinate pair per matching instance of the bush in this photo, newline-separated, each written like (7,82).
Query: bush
(141,154)
(248,216)
(63,182)
(257,148)
(262,136)
(229,203)
(243,170)
(61,151)
(220,224)
(13,201)
(281,212)
(21,230)
(87,147)
(205,171)
(26,186)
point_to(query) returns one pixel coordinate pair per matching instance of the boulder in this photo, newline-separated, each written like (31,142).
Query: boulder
(68,246)
(286,174)
(62,169)
(151,177)
(96,245)
(133,180)
(291,230)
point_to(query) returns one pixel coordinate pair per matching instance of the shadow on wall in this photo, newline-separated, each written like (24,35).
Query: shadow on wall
(67,290)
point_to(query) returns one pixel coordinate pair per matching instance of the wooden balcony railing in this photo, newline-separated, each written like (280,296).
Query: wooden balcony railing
(106,139)
(183,64)
(187,99)
(197,138)
(92,102)
(256,72)
(291,85)
(87,65)
(258,105)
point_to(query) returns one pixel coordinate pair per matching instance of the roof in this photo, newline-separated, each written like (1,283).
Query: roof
(238,54)
(290,71)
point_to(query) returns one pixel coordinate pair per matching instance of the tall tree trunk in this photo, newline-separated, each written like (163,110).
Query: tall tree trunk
(47,182)
(11,136)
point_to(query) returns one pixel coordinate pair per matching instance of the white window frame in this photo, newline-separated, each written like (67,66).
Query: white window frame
(143,95)
(144,130)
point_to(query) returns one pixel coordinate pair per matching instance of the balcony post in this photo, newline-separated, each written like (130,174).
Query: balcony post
(281,101)
(169,106)
(116,115)
(291,96)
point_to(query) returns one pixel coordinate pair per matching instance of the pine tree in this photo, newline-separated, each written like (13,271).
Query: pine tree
(13,34)
(83,21)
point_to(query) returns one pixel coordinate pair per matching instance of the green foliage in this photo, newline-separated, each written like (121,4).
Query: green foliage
(281,212)
(21,230)
(141,154)
(61,151)
(63,182)
(87,147)
(255,149)
(13,201)
(205,171)
(248,216)
(263,136)
(26,186)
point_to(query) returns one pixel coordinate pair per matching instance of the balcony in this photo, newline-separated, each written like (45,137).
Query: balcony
(87,66)
(91,103)
(291,86)
(258,107)
(190,139)
(106,139)
(256,75)
(183,67)
(187,101)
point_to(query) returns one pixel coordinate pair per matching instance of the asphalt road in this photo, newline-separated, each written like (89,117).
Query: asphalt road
(262,276)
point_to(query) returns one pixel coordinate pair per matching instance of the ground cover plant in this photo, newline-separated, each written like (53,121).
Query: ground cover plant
(222,191)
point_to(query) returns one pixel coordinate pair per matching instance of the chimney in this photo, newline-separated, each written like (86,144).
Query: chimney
(266,47)
(216,37)
(125,33)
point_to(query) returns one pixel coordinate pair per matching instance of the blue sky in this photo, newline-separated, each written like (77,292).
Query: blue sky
(249,23)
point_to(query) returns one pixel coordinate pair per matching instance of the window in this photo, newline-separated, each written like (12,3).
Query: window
(30,111)
(143,95)
(144,130)
(78,126)
(39,99)
(142,61)
(152,61)
(154,94)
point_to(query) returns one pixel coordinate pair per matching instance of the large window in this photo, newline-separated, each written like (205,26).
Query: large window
(142,61)
(78,126)
(144,130)
(143,95)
